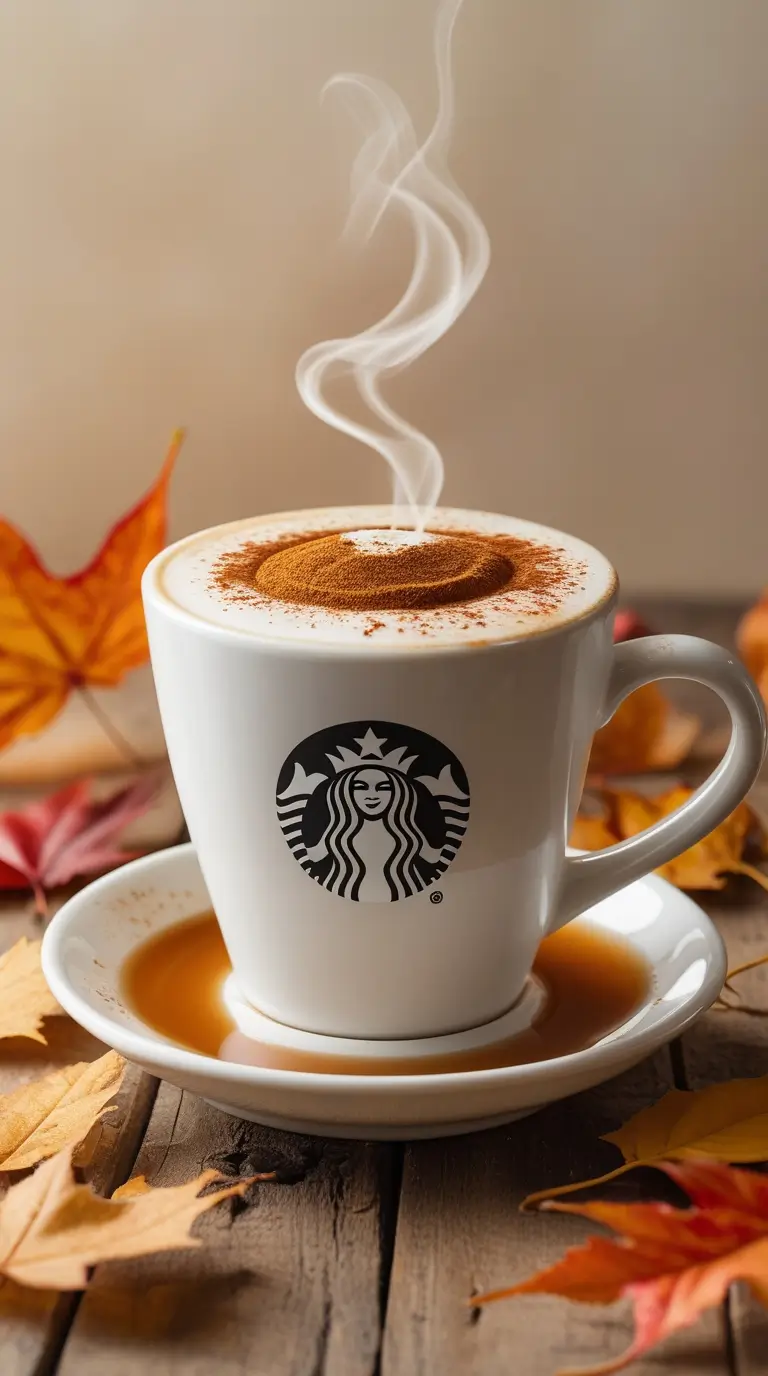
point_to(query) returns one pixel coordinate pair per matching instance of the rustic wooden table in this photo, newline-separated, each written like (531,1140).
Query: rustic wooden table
(361,1258)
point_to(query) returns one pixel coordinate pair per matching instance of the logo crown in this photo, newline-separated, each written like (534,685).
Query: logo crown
(371,753)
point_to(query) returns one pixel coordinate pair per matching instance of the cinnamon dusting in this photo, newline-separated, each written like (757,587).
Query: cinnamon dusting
(461,569)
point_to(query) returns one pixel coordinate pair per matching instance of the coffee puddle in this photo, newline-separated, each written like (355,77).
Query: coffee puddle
(594,981)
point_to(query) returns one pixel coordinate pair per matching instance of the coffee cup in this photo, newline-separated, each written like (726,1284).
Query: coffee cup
(381,798)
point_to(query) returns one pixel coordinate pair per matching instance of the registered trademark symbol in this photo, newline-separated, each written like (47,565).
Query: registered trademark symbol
(436,897)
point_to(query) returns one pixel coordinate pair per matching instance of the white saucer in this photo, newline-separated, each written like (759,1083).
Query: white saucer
(89,939)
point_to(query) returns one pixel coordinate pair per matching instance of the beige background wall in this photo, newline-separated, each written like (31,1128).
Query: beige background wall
(172,196)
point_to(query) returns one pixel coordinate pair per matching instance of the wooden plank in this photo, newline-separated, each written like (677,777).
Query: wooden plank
(289,1280)
(33,1324)
(459,1232)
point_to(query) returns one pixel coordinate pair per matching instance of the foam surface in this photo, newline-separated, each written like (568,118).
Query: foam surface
(182,575)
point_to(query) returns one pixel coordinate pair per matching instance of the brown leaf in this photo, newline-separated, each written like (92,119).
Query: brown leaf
(704,865)
(673,1264)
(52,1229)
(25,998)
(645,733)
(40,1118)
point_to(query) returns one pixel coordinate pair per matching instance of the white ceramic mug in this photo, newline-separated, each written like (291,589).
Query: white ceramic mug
(381,811)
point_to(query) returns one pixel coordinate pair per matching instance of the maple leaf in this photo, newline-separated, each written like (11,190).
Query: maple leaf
(672,1263)
(49,842)
(722,1122)
(39,1118)
(702,866)
(60,634)
(752,642)
(646,732)
(25,998)
(52,1229)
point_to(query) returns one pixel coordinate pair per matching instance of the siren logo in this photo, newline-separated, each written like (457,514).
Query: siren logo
(372,810)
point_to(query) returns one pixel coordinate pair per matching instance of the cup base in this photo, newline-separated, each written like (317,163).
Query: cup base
(249,1021)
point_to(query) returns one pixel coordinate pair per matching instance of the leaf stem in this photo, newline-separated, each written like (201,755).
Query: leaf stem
(752,872)
(748,965)
(532,1200)
(115,736)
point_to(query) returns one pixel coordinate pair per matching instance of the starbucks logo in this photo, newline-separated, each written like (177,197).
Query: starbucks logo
(372,810)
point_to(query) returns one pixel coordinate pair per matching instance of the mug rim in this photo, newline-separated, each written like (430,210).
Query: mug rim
(321,649)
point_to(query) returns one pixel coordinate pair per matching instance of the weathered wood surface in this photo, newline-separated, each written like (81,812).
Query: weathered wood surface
(290,1277)
(34,1324)
(459,1232)
(362,1259)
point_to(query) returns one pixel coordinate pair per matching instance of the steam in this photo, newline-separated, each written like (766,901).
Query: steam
(452,252)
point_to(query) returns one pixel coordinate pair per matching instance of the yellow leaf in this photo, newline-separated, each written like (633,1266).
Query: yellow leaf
(592,833)
(726,1122)
(40,1118)
(133,1187)
(52,1230)
(25,998)
(703,866)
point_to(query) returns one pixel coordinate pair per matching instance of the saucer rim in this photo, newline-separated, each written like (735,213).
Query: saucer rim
(139,1047)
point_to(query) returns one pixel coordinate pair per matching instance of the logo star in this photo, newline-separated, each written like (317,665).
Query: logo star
(370,743)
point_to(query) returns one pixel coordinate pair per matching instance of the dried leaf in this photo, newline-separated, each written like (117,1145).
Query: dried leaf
(673,1264)
(723,1122)
(752,639)
(703,866)
(40,1118)
(136,1185)
(592,832)
(49,842)
(60,634)
(25,998)
(646,733)
(52,1230)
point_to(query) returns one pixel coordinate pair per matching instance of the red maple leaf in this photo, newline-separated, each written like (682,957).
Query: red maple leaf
(67,834)
(673,1264)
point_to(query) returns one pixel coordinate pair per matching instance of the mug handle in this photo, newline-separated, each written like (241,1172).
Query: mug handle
(591,877)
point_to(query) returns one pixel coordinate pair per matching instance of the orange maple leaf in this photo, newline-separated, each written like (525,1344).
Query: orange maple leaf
(646,732)
(673,1264)
(752,642)
(703,866)
(85,630)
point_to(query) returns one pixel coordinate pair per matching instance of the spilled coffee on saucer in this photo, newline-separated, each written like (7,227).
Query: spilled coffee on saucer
(592,980)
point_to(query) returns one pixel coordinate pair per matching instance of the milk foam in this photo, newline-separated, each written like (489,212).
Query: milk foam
(388,541)
(182,575)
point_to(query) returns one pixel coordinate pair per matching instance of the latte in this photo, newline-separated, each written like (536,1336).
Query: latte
(342,574)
